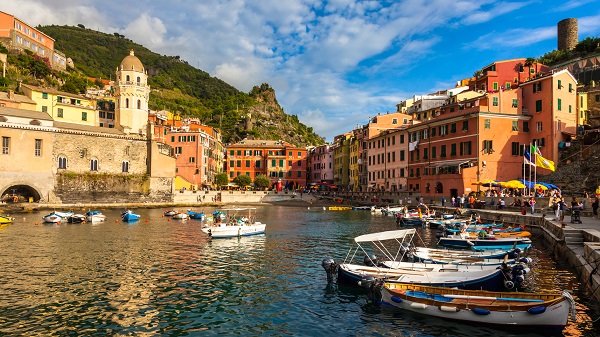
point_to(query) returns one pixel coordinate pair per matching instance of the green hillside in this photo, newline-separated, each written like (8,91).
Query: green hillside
(177,86)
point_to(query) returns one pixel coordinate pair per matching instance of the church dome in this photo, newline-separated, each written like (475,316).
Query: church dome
(131,62)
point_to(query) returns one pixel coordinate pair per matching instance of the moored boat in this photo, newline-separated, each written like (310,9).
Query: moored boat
(129,216)
(462,242)
(169,213)
(5,219)
(56,216)
(237,222)
(76,218)
(465,276)
(196,215)
(180,216)
(542,310)
(95,216)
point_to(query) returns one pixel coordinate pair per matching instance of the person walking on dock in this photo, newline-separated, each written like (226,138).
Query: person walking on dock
(562,206)
(595,204)
(532,204)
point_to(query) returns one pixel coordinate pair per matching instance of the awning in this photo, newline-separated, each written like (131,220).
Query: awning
(450,163)
(389,235)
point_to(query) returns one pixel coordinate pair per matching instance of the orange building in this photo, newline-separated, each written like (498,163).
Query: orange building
(506,74)
(551,101)
(466,141)
(284,163)
(387,160)
(16,34)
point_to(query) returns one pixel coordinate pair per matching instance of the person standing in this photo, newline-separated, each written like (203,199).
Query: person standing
(595,205)
(532,204)
(443,200)
(562,206)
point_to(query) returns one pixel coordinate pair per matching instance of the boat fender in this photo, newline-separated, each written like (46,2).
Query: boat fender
(536,310)
(470,243)
(330,267)
(480,311)
(418,305)
(446,308)
(396,299)
(519,279)
(508,284)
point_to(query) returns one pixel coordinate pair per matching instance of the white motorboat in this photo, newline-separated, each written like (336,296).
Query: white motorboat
(237,222)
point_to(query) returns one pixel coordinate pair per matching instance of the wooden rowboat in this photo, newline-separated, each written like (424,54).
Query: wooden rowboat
(547,310)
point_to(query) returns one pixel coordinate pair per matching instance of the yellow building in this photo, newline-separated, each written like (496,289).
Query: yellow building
(354,153)
(341,159)
(62,106)
(582,107)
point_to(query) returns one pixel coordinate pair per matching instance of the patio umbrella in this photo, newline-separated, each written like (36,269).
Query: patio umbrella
(513,184)
(543,187)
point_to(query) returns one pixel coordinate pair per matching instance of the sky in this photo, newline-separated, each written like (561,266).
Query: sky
(335,64)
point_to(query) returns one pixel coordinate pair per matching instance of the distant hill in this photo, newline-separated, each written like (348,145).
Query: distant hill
(180,88)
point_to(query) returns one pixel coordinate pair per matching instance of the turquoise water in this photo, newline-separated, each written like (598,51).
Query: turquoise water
(166,278)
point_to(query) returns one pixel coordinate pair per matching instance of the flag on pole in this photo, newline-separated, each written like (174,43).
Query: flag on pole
(544,163)
(536,150)
(528,160)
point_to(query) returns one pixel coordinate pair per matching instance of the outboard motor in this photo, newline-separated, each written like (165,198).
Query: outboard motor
(526,260)
(330,267)
(518,273)
(370,260)
(371,284)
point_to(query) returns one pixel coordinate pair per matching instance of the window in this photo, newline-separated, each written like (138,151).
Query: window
(559,107)
(515,148)
(433,152)
(559,85)
(537,87)
(539,126)
(238,163)
(231,152)
(257,164)
(401,139)
(531,70)
(526,126)
(453,128)
(231,162)
(515,125)
(394,120)
(495,85)
(558,125)
(192,159)
(443,130)
(125,166)
(425,153)
(247,163)
(44,108)
(495,101)
(127,101)
(538,106)
(570,110)
(515,103)
(5,145)
(487,147)
(139,104)
(570,87)
(453,149)
(45,95)
(443,151)
(239,152)
(178,150)
(401,155)
(38,148)
(433,130)
(60,112)
(508,85)
(597,98)
(281,163)
(465,126)
(94,165)
(465,148)
(487,123)
(62,162)
(84,116)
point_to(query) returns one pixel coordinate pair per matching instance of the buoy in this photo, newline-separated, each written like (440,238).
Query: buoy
(418,305)
(36,223)
(168,219)
(146,220)
(116,221)
(24,219)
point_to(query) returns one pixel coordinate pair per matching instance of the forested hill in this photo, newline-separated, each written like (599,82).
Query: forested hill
(179,87)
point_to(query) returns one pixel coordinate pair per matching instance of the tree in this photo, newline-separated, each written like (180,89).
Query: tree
(242,180)
(262,181)
(221,179)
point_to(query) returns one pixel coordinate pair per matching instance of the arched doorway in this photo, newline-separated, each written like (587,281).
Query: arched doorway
(439,187)
(20,193)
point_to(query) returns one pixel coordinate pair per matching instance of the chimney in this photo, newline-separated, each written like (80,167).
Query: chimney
(11,94)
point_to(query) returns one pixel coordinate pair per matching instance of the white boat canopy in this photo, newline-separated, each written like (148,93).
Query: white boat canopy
(389,235)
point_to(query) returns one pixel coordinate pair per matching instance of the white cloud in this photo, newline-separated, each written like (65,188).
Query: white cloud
(147,31)
(512,38)
(497,9)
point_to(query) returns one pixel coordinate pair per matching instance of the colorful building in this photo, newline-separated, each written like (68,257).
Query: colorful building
(131,95)
(62,106)
(321,159)
(284,163)
(506,74)
(341,160)
(16,34)
(387,160)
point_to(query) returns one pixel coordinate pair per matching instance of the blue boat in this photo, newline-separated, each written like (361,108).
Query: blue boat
(456,241)
(129,216)
(196,215)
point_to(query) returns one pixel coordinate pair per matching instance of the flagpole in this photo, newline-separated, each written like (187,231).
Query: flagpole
(525,185)
(530,159)
(535,170)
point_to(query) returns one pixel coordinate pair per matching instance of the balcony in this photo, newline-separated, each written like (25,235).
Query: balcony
(525,112)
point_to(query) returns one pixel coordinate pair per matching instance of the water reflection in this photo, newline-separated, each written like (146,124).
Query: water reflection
(161,277)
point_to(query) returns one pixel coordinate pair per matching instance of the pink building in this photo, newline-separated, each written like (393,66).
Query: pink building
(321,158)
(387,159)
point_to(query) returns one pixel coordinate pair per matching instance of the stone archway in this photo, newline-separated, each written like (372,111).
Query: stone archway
(20,193)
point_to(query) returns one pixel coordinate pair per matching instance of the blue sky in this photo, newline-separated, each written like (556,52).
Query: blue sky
(332,63)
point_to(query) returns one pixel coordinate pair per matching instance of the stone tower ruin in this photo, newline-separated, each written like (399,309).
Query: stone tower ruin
(567,34)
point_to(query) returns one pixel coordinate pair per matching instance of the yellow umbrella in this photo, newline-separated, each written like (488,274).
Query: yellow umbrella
(513,184)
(538,186)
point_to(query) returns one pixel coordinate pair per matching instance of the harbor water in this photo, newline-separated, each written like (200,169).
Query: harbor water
(165,277)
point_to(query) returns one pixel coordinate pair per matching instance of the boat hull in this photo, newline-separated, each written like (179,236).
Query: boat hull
(223,231)
(514,311)
(457,242)
(491,279)
(131,217)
